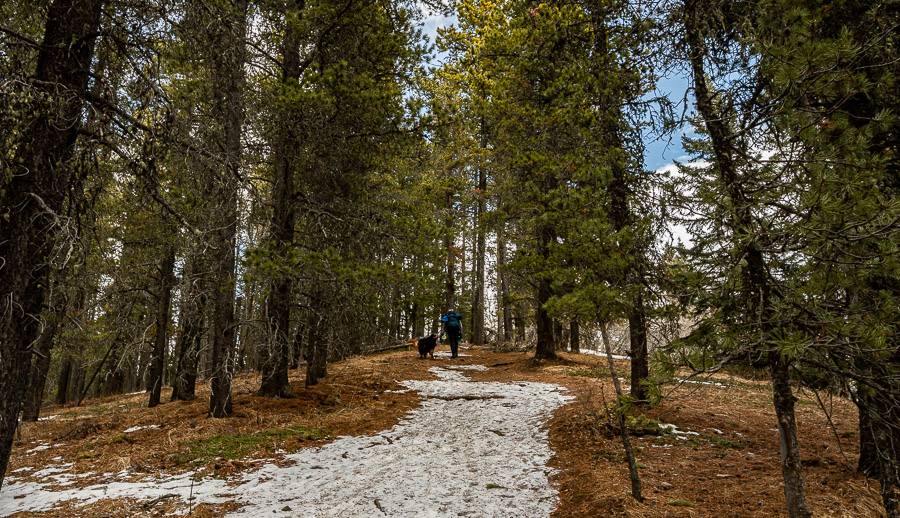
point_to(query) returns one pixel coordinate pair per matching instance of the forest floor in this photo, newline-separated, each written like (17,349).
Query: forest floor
(489,434)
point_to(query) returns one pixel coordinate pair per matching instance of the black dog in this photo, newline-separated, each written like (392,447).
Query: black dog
(426,345)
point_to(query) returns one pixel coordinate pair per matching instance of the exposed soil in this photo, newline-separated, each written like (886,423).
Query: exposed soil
(723,463)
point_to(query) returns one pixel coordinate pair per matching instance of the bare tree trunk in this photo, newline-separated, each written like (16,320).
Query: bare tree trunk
(278,305)
(230,32)
(546,344)
(620,413)
(161,336)
(33,193)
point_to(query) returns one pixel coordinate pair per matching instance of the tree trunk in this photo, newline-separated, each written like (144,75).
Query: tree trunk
(190,333)
(63,380)
(33,193)
(574,337)
(640,363)
(546,344)
(503,301)
(868,452)
(278,305)
(317,347)
(480,252)
(297,345)
(520,322)
(787,428)
(229,34)
(40,366)
(161,336)
(620,413)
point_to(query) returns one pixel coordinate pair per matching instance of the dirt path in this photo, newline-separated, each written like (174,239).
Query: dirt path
(470,449)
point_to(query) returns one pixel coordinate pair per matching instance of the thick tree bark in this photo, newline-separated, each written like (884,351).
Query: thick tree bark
(31,197)
(278,305)
(758,290)
(161,335)
(229,34)
(546,344)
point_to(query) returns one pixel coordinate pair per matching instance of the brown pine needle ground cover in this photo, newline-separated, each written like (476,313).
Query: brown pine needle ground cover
(724,461)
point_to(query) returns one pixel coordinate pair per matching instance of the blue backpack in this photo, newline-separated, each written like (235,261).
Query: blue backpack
(452,321)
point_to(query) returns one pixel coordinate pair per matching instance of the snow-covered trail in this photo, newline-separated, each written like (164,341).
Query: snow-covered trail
(470,449)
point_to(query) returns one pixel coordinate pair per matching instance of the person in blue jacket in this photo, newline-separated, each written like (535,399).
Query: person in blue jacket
(452,322)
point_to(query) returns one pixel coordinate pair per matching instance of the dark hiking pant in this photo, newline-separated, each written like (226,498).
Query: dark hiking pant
(454,343)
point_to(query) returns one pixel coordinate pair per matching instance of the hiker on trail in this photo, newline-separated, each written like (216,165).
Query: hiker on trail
(453,328)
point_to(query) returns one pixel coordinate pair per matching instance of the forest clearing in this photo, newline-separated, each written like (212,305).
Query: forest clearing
(514,258)
(719,459)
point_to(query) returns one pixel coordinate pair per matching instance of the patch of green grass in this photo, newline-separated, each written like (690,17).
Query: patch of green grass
(641,425)
(494,486)
(681,502)
(587,372)
(238,446)
(120,438)
(722,442)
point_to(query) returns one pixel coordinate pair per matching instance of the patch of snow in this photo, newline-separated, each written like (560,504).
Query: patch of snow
(603,354)
(31,496)
(138,428)
(26,468)
(479,368)
(701,382)
(401,391)
(48,417)
(39,447)
(52,470)
(439,460)
(679,434)
(445,375)
(446,355)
